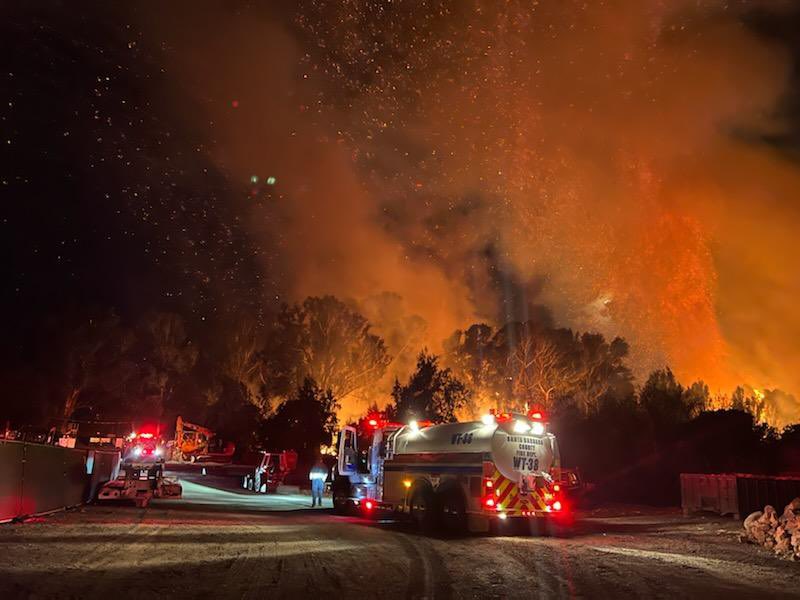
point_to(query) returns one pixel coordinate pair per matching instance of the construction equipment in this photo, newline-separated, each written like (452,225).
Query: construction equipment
(474,475)
(197,443)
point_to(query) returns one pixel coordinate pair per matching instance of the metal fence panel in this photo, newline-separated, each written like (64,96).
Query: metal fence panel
(11,464)
(756,492)
(53,478)
(37,478)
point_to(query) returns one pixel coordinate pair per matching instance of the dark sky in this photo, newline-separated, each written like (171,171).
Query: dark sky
(475,159)
(109,198)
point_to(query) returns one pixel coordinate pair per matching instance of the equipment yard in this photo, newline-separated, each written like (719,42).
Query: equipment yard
(218,542)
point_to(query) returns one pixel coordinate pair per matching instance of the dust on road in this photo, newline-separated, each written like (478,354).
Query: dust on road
(232,545)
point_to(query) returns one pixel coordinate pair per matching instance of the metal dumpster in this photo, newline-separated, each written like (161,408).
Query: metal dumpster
(736,494)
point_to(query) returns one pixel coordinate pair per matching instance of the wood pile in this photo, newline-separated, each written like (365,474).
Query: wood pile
(777,532)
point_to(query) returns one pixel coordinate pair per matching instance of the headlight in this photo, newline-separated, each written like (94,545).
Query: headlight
(521,427)
(537,429)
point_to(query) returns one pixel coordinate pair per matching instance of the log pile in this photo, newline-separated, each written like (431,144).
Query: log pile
(779,533)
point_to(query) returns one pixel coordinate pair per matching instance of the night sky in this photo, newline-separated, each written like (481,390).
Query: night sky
(624,166)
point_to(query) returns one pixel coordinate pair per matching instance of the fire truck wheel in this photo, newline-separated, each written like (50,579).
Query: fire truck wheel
(424,510)
(339,503)
(454,512)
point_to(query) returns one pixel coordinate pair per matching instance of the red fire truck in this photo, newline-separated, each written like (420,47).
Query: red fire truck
(472,475)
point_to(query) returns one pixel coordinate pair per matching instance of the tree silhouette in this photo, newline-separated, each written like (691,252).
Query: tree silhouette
(327,341)
(432,393)
(304,422)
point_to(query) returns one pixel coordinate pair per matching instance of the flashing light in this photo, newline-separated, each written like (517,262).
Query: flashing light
(407,483)
(556,488)
(373,423)
(146,436)
(521,427)
(368,504)
(557,505)
(503,516)
(137,450)
(487,419)
(488,483)
(537,428)
(157,452)
(414,426)
(536,415)
(489,502)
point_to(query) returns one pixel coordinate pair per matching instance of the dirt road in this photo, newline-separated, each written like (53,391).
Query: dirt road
(218,544)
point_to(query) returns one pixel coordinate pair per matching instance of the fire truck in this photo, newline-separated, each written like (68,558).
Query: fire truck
(456,476)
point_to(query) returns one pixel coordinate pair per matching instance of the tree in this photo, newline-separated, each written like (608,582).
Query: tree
(242,361)
(697,397)
(166,354)
(432,393)
(600,371)
(90,349)
(304,422)
(327,341)
(662,397)
(473,357)
(538,371)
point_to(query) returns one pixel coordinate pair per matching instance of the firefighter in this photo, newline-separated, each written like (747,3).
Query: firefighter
(317,475)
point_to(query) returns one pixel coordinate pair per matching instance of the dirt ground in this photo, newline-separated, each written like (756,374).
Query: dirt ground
(222,544)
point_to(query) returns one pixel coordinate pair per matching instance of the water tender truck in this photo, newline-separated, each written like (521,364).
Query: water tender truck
(459,476)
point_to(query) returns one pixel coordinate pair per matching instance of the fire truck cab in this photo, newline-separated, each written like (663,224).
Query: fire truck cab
(456,476)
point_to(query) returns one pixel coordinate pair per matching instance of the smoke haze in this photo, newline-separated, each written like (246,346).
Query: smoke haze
(441,163)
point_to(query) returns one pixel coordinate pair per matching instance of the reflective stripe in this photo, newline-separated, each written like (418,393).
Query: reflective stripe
(509,496)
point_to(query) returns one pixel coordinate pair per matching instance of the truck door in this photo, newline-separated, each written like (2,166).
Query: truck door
(348,451)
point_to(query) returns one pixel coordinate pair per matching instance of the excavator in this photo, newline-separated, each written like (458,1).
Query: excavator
(195,443)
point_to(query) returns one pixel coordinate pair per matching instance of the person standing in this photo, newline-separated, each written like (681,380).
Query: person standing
(317,475)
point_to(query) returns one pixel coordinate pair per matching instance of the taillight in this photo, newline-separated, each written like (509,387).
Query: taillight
(557,505)
(489,502)
(369,505)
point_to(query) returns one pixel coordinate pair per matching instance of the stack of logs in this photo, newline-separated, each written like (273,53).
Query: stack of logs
(779,533)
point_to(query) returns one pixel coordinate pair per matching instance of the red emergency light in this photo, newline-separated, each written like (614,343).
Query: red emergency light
(536,414)
(368,504)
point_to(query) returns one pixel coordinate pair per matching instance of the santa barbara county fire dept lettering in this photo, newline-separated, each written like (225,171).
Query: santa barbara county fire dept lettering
(525,458)
(461,438)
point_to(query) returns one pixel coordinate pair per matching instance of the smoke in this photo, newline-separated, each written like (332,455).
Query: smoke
(480,159)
